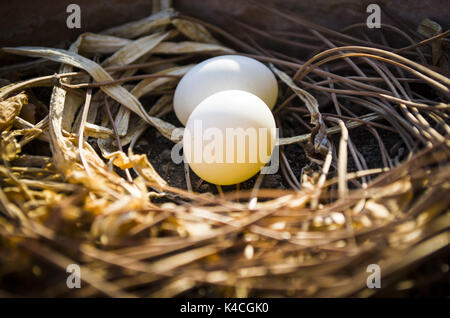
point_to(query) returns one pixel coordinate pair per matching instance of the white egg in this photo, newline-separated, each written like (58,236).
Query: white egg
(229,137)
(223,73)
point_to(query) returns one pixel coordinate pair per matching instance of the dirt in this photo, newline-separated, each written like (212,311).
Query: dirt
(158,150)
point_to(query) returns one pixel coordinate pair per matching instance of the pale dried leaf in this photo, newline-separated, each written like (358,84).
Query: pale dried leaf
(135,49)
(143,26)
(117,92)
(160,108)
(147,85)
(101,43)
(120,159)
(194,31)
(96,131)
(146,171)
(189,47)
(10,108)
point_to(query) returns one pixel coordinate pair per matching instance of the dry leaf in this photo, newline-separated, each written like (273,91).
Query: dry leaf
(137,28)
(10,108)
(146,171)
(194,31)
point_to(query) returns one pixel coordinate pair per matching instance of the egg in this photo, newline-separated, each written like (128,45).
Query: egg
(229,137)
(226,72)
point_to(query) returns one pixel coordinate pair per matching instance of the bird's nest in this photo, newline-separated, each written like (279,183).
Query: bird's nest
(86,177)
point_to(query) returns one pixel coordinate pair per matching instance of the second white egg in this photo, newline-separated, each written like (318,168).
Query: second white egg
(222,73)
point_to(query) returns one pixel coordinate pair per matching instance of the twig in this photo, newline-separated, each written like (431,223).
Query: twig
(116,134)
(87,103)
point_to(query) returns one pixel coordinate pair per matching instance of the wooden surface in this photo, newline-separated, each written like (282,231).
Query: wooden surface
(43,22)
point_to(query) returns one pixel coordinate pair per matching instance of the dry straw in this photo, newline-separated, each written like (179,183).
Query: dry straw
(133,234)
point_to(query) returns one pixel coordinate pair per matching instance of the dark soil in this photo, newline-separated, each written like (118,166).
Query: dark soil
(158,149)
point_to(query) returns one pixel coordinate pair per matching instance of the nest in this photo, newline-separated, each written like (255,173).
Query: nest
(363,180)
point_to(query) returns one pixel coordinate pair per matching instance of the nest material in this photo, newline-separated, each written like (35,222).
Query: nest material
(95,204)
